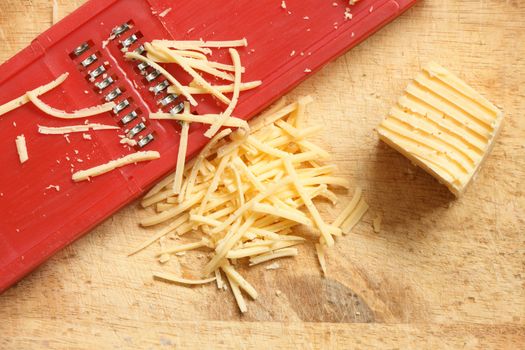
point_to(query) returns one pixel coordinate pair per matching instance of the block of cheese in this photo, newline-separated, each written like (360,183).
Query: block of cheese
(444,126)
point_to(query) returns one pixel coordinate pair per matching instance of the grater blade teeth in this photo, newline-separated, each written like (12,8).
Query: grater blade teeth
(113,95)
(136,130)
(89,60)
(104,83)
(164,102)
(128,118)
(94,74)
(80,49)
(121,106)
(145,140)
(160,87)
(119,30)
(126,43)
(177,109)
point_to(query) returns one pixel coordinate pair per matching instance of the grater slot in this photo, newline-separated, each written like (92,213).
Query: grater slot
(136,130)
(82,48)
(152,76)
(89,60)
(167,100)
(140,50)
(128,118)
(119,30)
(122,106)
(102,85)
(129,41)
(113,94)
(157,89)
(177,108)
(142,66)
(94,74)
(143,142)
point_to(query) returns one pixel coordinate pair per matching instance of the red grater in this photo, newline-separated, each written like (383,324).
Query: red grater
(286,40)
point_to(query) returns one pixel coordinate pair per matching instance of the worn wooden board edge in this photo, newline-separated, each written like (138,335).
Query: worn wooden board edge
(228,335)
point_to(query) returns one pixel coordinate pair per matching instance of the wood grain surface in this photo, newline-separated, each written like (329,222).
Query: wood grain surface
(442,273)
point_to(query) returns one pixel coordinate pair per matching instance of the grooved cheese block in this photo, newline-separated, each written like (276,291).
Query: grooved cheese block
(444,126)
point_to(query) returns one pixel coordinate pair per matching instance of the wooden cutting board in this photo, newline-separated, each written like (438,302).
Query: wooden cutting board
(442,273)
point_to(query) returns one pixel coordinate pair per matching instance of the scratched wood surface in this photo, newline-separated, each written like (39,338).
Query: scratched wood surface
(442,273)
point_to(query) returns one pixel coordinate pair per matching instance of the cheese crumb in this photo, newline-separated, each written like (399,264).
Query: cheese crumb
(348,15)
(21,147)
(273,266)
(55,187)
(165,12)
(127,141)
(376,224)
(283,4)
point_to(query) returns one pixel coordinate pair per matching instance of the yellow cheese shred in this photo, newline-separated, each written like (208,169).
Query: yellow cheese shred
(173,278)
(81,113)
(181,157)
(47,130)
(199,44)
(204,119)
(196,90)
(241,303)
(180,88)
(233,103)
(20,101)
(355,217)
(349,208)
(181,61)
(320,250)
(142,156)
(281,253)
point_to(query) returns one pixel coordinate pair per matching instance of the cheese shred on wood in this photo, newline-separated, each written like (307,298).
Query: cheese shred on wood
(245,194)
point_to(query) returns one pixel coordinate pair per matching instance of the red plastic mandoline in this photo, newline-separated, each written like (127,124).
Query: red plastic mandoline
(37,220)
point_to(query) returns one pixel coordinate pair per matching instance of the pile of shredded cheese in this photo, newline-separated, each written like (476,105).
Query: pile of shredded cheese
(244,195)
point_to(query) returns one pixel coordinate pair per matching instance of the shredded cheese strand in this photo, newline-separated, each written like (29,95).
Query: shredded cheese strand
(20,101)
(196,90)
(181,61)
(282,253)
(170,228)
(181,89)
(48,130)
(81,113)
(355,217)
(114,164)
(173,278)
(349,208)
(236,91)
(321,225)
(204,119)
(181,157)
(192,44)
